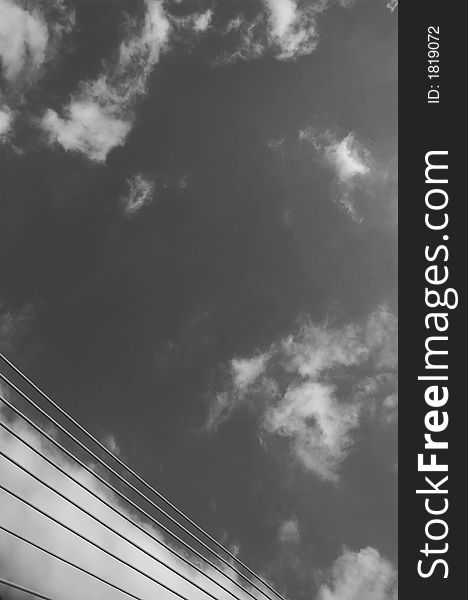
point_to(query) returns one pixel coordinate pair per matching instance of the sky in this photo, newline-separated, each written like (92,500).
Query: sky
(198,260)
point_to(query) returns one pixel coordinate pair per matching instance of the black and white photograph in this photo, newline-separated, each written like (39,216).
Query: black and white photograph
(199,300)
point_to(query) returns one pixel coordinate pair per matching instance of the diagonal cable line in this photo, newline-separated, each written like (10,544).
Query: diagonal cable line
(68,562)
(16,586)
(93,543)
(101,522)
(127,500)
(123,480)
(147,485)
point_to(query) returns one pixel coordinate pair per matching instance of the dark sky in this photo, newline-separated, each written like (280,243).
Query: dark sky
(252,198)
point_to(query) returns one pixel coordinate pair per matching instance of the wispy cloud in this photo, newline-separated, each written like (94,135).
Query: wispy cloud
(289,532)
(349,158)
(361,183)
(318,426)
(291,30)
(29,36)
(140,193)
(14,325)
(245,371)
(87,128)
(23,40)
(363,575)
(101,114)
(314,388)
(249,40)
(346,158)
(202,21)
(6,122)
(288,29)
(194,23)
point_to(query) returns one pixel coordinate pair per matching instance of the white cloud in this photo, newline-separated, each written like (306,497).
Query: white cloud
(390,408)
(251,44)
(245,371)
(363,184)
(221,407)
(14,325)
(296,388)
(286,28)
(202,21)
(28,567)
(88,128)
(6,122)
(29,36)
(289,532)
(23,40)
(319,347)
(363,575)
(350,163)
(101,115)
(381,334)
(348,158)
(276,145)
(110,442)
(318,426)
(291,29)
(141,193)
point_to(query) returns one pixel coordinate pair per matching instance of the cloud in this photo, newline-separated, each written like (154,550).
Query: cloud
(6,122)
(361,183)
(314,388)
(390,408)
(110,442)
(291,30)
(87,128)
(245,371)
(29,37)
(23,40)
(288,532)
(320,347)
(363,575)
(250,43)
(14,325)
(276,145)
(140,194)
(202,21)
(381,334)
(101,114)
(318,426)
(286,28)
(36,570)
(222,404)
(346,157)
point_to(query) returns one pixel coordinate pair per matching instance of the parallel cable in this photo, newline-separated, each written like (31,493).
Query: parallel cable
(93,543)
(101,522)
(129,501)
(16,586)
(143,482)
(68,562)
(132,487)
